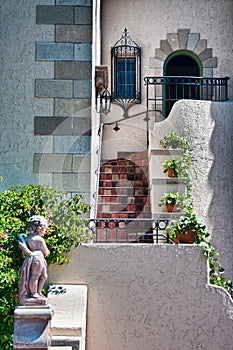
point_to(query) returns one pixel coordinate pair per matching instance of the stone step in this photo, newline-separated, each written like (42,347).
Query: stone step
(69,303)
(65,343)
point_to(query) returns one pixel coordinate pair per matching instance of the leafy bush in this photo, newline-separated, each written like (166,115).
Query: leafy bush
(67,229)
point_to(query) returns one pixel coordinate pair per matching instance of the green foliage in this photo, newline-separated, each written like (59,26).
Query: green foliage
(175,141)
(67,229)
(172,198)
(189,221)
(181,166)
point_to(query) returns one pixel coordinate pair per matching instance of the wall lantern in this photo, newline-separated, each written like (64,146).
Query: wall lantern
(103,101)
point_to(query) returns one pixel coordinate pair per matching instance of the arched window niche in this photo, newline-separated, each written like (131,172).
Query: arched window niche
(181,64)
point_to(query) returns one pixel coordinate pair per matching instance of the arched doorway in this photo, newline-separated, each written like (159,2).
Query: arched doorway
(181,64)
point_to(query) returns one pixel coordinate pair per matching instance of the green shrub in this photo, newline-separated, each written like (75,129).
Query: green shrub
(67,229)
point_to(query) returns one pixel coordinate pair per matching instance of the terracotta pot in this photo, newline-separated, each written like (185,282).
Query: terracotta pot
(188,238)
(171,172)
(170,208)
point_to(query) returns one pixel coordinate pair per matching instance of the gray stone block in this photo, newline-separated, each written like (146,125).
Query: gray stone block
(81,126)
(74,34)
(53,125)
(160,55)
(82,52)
(82,88)
(52,163)
(72,144)
(183,37)
(201,46)
(46,14)
(207,53)
(54,51)
(81,164)
(79,183)
(83,15)
(54,88)
(210,63)
(72,107)
(173,41)
(74,2)
(193,39)
(165,47)
(72,70)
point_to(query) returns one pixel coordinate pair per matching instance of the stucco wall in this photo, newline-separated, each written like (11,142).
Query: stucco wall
(46,93)
(150,22)
(149,296)
(209,128)
(19,34)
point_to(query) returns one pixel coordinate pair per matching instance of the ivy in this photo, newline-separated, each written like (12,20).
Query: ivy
(190,221)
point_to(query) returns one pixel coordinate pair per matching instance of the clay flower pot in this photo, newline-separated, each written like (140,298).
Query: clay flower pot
(171,172)
(170,208)
(187,238)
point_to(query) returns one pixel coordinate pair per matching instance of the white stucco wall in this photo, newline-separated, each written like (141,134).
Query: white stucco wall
(19,34)
(209,128)
(151,21)
(149,296)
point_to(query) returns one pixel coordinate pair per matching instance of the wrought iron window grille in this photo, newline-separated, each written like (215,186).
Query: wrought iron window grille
(126,71)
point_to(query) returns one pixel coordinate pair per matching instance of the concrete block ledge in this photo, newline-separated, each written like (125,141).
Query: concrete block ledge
(68,326)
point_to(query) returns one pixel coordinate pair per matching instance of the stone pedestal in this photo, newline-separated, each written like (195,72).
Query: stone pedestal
(32,326)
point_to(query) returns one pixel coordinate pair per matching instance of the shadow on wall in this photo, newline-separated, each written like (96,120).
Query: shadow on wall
(220,181)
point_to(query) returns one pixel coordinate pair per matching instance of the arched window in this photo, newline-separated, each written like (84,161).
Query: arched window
(181,64)
(126,69)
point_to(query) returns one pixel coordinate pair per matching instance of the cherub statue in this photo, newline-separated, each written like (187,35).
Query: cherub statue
(33,272)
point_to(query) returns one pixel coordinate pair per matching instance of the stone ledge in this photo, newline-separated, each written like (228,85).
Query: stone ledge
(169,181)
(65,343)
(69,310)
(166,152)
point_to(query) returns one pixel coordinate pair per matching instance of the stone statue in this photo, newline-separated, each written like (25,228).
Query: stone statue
(33,272)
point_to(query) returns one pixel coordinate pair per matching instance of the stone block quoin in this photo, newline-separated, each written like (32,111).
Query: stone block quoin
(50,14)
(70,124)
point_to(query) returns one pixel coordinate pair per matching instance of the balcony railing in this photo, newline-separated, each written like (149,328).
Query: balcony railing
(120,230)
(163,92)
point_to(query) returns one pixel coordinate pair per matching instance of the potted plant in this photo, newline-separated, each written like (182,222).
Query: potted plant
(188,229)
(172,201)
(175,141)
(173,167)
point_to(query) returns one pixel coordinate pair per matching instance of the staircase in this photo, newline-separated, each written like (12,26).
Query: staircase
(124,194)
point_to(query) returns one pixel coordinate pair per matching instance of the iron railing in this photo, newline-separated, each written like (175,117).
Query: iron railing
(120,230)
(163,92)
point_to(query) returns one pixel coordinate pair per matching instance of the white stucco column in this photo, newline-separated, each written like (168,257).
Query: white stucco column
(96,60)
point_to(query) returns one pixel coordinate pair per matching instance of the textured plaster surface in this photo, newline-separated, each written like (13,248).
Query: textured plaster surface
(209,128)
(19,33)
(153,296)
(209,21)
